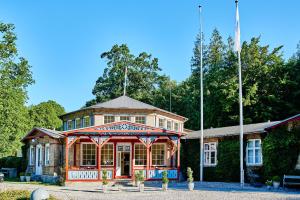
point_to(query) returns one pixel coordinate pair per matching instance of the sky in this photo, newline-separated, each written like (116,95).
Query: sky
(63,40)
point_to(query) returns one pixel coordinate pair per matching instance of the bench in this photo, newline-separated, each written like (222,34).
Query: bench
(291,180)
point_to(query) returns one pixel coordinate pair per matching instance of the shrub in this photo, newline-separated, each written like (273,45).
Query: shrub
(17,194)
(22,174)
(276,179)
(269,183)
(165,179)
(104,177)
(190,175)
(13,162)
(141,176)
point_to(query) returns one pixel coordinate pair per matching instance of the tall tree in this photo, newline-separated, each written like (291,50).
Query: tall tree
(143,75)
(46,115)
(15,76)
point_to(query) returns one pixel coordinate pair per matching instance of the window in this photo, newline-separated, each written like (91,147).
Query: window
(88,154)
(47,154)
(158,154)
(125,118)
(210,154)
(69,124)
(169,125)
(176,126)
(87,121)
(161,123)
(78,123)
(254,155)
(140,154)
(107,155)
(31,155)
(109,119)
(140,119)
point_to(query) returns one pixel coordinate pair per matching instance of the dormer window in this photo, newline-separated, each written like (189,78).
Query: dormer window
(125,118)
(140,119)
(87,121)
(109,119)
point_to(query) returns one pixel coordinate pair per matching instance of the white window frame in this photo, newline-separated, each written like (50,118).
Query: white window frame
(164,122)
(135,154)
(125,120)
(165,154)
(112,153)
(209,151)
(109,116)
(68,125)
(140,116)
(81,154)
(31,155)
(47,154)
(77,124)
(169,128)
(84,121)
(253,148)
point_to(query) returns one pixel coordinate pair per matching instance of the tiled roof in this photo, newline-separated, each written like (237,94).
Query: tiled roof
(230,130)
(51,133)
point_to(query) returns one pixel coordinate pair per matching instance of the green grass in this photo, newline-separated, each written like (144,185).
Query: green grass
(17,195)
(17,180)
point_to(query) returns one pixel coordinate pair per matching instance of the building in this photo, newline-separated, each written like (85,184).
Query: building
(254,135)
(122,136)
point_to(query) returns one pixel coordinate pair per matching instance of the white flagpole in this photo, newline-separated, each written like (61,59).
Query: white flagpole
(238,49)
(125,81)
(201,96)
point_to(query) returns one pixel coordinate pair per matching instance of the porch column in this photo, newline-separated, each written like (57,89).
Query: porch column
(99,162)
(67,157)
(178,158)
(132,160)
(148,162)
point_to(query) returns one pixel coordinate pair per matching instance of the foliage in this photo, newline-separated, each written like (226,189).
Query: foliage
(165,179)
(189,172)
(15,77)
(228,165)
(13,162)
(276,179)
(269,183)
(22,174)
(280,151)
(141,176)
(18,195)
(104,177)
(46,114)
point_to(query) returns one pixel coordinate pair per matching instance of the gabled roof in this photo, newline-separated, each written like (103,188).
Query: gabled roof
(125,102)
(230,130)
(293,118)
(51,133)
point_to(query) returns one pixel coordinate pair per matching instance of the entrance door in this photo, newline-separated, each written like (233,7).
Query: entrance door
(38,160)
(123,160)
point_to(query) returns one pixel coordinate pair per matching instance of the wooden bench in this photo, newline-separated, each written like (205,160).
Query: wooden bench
(291,180)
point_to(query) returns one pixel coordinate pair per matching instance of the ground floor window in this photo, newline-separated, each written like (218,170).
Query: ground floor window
(31,155)
(47,154)
(140,154)
(254,155)
(107,155)
(158,154)
(210,154)
(88,154)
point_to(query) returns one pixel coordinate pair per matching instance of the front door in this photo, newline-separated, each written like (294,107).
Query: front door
(38,160)
(123,160)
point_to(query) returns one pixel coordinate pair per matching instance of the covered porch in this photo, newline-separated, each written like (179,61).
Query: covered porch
(122,149)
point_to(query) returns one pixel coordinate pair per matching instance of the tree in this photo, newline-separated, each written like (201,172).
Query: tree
(46,114)
(15,76)
(143,75)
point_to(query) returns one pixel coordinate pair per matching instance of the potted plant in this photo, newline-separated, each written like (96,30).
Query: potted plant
(27,177)
(190,179)
(269,184)
(136,178)
(22,176)
(165,180)
(104,181)
(141,181)
(276,181)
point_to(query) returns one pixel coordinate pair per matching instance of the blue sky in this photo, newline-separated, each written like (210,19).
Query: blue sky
(63,40)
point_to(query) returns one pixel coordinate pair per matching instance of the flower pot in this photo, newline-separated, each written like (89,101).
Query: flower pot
(165,186)
(191,186)
(276,184)
(104,188)
(27,178)
(141,187)
(22,178)
(137,183)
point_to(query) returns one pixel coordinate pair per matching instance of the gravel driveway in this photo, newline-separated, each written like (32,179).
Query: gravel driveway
(178,191)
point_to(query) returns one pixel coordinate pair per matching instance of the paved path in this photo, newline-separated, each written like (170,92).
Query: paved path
(203,191)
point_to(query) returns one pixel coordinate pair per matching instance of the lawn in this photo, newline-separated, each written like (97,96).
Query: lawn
(17,195)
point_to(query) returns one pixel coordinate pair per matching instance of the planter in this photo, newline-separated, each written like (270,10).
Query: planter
(27,178)
(137,183)
(276,184)
(191,186)
(165,186)
(22,178)
(104,188)
(141,187)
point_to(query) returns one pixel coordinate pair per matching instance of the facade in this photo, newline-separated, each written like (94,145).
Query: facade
(122,136)
(254,135)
